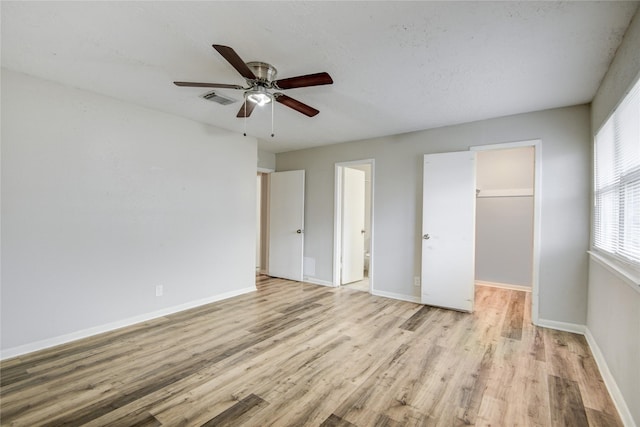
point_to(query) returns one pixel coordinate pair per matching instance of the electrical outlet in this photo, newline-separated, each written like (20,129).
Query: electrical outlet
(416,281)
(159,290)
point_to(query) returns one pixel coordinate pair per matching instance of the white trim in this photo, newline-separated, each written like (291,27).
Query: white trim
(626,275)
(85,333)
(601,362)
(505,145)
(315,281)
(609,381)
(265,170)
(504,286)
(537,214)
(393,295)
(562,326)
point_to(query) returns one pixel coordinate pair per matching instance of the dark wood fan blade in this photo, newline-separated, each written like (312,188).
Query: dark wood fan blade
(232,58)
(295,104)
(246,109)
(316,79)
(220,85)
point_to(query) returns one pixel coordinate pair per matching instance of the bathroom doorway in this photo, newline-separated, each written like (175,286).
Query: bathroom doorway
(353,237)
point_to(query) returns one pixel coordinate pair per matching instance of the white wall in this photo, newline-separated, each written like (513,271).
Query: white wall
(398,193)
(613,320)
(504,216)
(266,161)
(613,317)
(505,169)
(102,201)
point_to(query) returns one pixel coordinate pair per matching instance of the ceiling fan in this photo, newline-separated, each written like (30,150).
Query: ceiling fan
(260,78)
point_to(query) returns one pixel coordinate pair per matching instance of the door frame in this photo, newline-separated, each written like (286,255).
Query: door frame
(264,218)
(537,197)
(337,220)
(263,241)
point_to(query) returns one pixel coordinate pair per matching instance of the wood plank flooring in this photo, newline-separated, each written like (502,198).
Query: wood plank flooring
(296,354)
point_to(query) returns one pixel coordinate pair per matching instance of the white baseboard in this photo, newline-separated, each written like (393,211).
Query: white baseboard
(504,286)
(401,297)
(85,333)
(315,281)
(609,381)
(562,326)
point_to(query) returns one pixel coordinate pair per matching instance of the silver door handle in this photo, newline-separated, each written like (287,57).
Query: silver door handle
(426,237)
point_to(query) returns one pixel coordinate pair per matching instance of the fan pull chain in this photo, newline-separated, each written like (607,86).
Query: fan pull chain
(245,118)
(272,102)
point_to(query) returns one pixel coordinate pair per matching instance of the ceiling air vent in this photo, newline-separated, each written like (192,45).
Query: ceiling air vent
(220,99)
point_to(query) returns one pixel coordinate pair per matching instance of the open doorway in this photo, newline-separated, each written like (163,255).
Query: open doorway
(353,231)
(280,224)
(507,217)
(262,226)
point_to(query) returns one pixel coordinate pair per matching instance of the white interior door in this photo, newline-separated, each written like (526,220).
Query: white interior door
(353,215)
(286,224)
(448,230)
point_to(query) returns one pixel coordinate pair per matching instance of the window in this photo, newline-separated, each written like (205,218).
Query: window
(616,228)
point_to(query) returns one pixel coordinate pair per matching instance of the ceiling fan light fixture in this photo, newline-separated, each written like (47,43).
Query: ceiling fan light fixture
(259,95)
(260,77)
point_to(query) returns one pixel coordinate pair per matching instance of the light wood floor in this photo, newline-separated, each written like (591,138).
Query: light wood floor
(299,354)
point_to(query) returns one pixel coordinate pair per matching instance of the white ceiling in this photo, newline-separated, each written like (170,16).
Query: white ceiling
(397,66)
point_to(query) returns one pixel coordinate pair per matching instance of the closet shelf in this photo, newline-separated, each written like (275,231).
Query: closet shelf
(507,192)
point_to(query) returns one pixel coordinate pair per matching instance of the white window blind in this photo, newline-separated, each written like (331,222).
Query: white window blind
(616,227)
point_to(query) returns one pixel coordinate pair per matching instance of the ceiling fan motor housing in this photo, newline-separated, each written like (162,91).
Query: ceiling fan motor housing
(264,72)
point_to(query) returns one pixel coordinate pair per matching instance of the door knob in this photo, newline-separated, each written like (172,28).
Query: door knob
(299,231)
(426,237)
(362,231)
